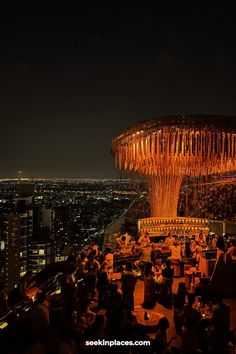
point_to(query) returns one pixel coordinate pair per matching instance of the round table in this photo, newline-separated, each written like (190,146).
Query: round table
(149,321)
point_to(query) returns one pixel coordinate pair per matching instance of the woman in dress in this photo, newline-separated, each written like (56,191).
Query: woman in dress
(149,286)
(103,284)
(128,280)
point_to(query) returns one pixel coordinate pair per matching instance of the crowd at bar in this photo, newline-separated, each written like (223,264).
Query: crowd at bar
(92,296)
(183,272)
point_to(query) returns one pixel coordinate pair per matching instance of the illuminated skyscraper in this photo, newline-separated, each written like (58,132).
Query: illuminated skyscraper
(17,231)
(38,256)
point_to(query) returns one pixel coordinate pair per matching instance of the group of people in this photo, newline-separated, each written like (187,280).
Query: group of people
(199,333)
(212,202)
(93,305)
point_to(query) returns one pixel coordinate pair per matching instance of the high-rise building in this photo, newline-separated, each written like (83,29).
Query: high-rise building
(28,236)
(61,232)
(17,231)
(43,227)
(12,260)
(39,255)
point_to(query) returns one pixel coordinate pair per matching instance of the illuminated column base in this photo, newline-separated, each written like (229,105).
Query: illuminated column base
(180,226)
(164,195)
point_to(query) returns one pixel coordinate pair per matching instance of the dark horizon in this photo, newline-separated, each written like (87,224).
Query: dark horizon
(72,80)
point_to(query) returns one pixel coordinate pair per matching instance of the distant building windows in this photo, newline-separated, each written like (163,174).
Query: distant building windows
(41,261)
(2,245)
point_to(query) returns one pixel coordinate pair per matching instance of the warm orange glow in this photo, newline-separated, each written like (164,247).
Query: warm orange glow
(179,226)
(167,149)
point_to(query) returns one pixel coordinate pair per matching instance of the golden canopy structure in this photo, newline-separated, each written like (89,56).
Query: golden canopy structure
(169,148)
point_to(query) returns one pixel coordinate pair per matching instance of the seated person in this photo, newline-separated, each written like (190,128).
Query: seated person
(221,315)
(160,343)
(203,290)
(219,335)
(190,314)
(144,240)
(86,317)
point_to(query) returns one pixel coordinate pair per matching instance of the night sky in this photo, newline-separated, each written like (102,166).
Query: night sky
(71,79)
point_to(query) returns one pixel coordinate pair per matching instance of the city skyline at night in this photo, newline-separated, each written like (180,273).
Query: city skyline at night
(71,81)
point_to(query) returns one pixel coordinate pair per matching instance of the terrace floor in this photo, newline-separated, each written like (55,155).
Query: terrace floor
(139,296)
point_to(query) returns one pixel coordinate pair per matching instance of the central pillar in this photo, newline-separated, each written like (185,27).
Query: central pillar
(164,195)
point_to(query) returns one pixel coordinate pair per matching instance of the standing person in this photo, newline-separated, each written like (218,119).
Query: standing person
(149,286)
(155,253)
(221,316)
(69,291)
(214,240)
(165,282)
(121,242)
(70,266)
(91,276)
(114,313)
(128,280)
(179,301)
(103,286)
(201,239)
(187,250)
(190,330)
(96,250)
(232,248)
(167,270)
(169,241)
(109,259)
(220,246)
(68,285)
(219,336)
(191,315)
(80,269)
(144,240)
(145,258)
(197,251)
(80,274)
(175,251)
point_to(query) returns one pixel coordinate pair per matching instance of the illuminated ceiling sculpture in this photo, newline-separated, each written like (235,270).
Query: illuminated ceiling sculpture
(169,148)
